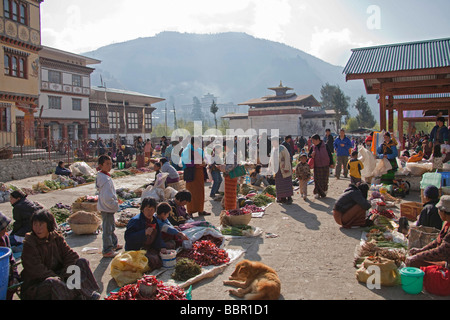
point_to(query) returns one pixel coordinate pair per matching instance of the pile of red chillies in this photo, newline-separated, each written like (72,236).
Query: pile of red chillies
(163,292)
(206,253)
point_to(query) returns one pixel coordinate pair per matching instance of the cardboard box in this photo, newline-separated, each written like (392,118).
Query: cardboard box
(411,210)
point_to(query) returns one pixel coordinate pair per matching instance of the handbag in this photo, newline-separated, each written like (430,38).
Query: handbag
(237,172)
(436,280)
(311,163)
(420,236)
(188,174)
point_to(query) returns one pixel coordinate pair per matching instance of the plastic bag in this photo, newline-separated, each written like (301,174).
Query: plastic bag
(153,192)
(129,266)
(170,193)
(436,280)
(197,232)
(419,168)
(160,180)
(382,167)
(82,169)
(369,161)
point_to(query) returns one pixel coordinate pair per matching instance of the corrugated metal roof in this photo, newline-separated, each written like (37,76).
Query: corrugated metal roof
(399,57)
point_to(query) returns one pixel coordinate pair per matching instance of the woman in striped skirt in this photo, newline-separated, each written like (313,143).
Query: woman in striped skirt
(281,166)
(230,196)
(323,161)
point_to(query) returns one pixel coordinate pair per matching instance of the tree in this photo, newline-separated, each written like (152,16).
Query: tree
(365,116)
(214,108)
(352,124)
(340,103)
(327,92)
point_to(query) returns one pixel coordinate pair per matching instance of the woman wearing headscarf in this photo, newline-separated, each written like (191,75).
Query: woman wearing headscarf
(281,166)
(323,160)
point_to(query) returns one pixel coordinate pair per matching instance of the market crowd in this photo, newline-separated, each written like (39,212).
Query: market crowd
(292,162)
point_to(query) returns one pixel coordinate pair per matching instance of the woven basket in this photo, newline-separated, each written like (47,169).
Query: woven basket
(226,220)
(81,229)
(179,186)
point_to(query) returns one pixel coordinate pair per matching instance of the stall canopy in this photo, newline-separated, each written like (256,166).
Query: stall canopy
(411,76)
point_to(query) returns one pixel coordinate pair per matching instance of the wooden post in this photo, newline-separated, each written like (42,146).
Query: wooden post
(382,109)
(400,128)
(391,114)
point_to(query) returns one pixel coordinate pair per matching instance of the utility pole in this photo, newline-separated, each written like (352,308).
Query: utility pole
(175,117)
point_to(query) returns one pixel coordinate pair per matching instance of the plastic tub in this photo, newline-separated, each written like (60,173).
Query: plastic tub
(445,179)
(5,253)
(120,165)
(169,259)
(412,280)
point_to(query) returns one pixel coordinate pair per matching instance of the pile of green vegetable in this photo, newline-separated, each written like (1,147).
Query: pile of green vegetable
(61,213)
(271,190)
(238,230)
(185,269)
(261,200)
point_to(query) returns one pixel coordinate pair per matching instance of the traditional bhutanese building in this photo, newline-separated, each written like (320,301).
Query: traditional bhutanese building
(65,88)
(20,42)
(120,114)
(291,114)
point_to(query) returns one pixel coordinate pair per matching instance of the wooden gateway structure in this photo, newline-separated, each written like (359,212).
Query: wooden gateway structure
(406,77)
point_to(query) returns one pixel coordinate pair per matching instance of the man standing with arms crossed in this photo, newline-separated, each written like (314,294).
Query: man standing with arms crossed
(342,146)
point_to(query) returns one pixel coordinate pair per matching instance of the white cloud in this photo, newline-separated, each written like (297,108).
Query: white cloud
(334,46)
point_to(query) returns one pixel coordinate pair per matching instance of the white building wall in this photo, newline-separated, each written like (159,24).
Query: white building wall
(286,124)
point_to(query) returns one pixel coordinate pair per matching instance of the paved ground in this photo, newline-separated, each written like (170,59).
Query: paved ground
(312,254)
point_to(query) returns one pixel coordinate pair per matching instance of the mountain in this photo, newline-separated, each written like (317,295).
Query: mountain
(235,67)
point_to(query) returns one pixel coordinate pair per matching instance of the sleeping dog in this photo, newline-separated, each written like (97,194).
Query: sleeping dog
(255,281)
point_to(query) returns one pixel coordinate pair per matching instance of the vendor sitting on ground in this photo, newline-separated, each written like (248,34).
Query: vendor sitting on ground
(46,259)
(62,171)
(167,235)
(23,209)
(256,178)
(179,213)
(141,233)
(429,217)
(438,251)
(350,209)
(173,177)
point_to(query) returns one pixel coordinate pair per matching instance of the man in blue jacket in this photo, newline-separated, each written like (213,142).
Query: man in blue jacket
(342,146)
(439,134)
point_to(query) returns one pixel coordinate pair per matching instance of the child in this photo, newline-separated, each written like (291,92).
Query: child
(429,217)
(303,174)
(167,233)
(437,159)
(355,166)
(179,213)
(107,205)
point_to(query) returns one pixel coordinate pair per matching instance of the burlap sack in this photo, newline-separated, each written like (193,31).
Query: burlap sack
(389,275)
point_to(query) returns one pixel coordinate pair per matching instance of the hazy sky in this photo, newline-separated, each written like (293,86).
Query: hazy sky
(327,29)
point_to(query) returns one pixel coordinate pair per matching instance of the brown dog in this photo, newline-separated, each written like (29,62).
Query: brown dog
(255,281)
